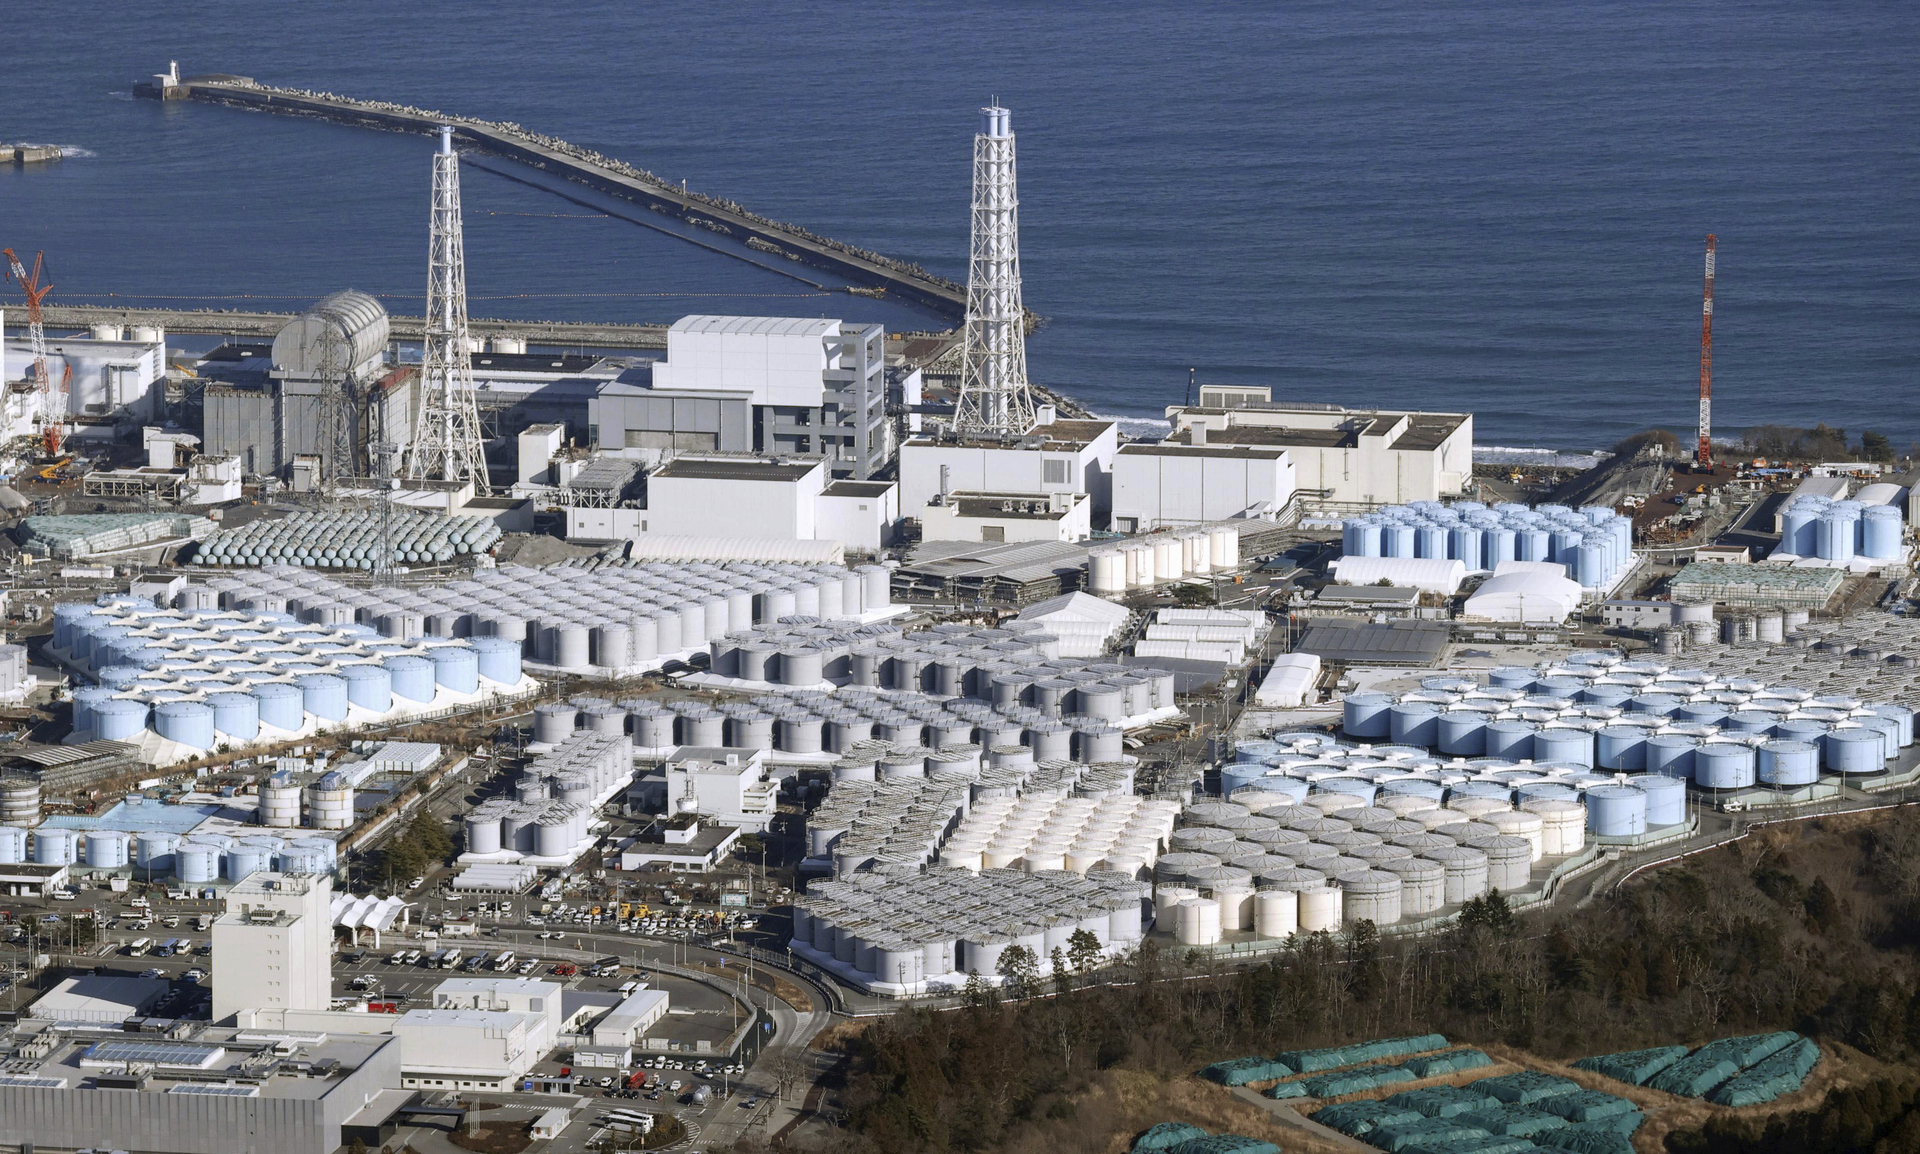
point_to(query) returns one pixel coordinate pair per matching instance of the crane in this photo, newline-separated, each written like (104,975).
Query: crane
(50,416)
(1706,364)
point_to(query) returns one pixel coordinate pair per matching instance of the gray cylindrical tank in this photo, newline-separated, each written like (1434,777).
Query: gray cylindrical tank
(1789,763)
(483,833)
(1372,896)
(554,722)
(1509,860)
(1423,884)
(410,676)
(572,646)
(611,643)
(801,666)
(188,722)
(197,862)
(1617,810)
(701,727)
(798,734)
(1466,871)
(1716,765)
(457,667)
(750,730)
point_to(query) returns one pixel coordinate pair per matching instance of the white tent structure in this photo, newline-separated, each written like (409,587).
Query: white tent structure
(1289,684)
(370,913)
(1427,574)
(1523,592)
(1083,623)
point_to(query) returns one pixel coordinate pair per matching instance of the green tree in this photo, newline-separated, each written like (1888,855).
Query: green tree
(1062,975)
(1876,447)
(1020,969)
(1083,950)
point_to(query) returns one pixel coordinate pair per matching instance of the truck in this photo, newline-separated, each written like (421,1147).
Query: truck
(180,895)
(450,959)
(203,923)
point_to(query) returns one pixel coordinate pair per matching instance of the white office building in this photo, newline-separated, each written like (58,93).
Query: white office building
(273,947)
(1057,456)
(1161,486)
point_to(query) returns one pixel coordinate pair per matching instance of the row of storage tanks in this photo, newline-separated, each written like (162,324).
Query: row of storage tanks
(1016,664)
(1148,561)
(1841,530)
(1276,864)
(193,858)
(350,540)
(817,722)
(610,617)
(909,929)
(1122,833)
(901,821)
(1600,711)
(202,676)
(328,801)
(1592,542)
(550,811)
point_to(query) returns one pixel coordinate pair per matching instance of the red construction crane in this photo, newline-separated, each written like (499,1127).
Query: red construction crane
(1706,364)
(53,410)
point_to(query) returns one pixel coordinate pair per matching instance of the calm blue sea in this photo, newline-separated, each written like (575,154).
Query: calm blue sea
(1498,206)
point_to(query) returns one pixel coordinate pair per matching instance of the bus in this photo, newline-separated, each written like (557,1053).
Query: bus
(137,947)
(167,949)
(451,959)
(504,961)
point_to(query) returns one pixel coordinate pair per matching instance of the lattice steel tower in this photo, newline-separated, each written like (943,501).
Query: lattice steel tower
(994,397)
(446,434)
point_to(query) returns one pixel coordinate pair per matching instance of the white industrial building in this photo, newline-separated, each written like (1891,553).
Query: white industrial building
(273,947)
(1427,574)
(1159,486)
(1339,455)
(538,1000)
(725,786)
(1056,456)
(1083,623)
(783,499)
(972,515)
(119,374)
(778,386)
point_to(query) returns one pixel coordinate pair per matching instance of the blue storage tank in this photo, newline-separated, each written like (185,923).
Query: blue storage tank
(1880,532)
(1609,695)
(500,659)
(1834,534)
(1590,561)
(1364,716)
(1802,729)
(412,676)
(301,861)
(236,714)
(1560,688)
(281,704)
(1900,714)
(118,676)
(1724,765)
(1430,541)
(1546,791)
(1293,787)
(323,695)
(197,862)
(1512,677)
(154,851)
(1463,544)
(1666,798)
(1498,791)
(1414,723)
(456,667)
(1414,787)
(187,722)
(1497,545)
(328,851)
(1657,704)
(1671,754)
(1565,545)
(1789,763)
(64,615)
(244,859)
(120,719)
(1701,712)
(1799,529)
(1237,774)
(1398,540)
(84,699)
(1617,811)
(1569,745)
(1462,733)
(1751,721)
(1510,739)
(369,686)
(1854,751)
(1352,786)
(1621,747)
(1888,728)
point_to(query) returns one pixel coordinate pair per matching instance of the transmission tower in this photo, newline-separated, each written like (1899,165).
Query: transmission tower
(994,397)
(446,434)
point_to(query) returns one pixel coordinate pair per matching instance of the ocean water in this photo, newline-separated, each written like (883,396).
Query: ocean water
(1498,207)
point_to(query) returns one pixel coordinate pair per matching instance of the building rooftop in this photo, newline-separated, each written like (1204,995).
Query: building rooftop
(857,488)
(737,469)
(564,364)
(1424,430)
(1210,449)
(1366,643)
(1062,435)
(529,987)
(305,1066)
(98,998)
(1012,506)
(757,326)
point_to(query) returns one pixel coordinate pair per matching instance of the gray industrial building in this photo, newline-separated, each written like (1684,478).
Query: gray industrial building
(267,422)
(756,385)
(220,1092)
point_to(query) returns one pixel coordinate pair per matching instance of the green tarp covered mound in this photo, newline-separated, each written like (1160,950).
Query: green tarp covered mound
(1358,1119)
(1354,1081)
(1446,1062)
(1525,1087)
(1586,1106)
(1443,1101)
(1167,1136)
(1783,1073)
(1334,1057)
(1240,1071)
(1633,1066)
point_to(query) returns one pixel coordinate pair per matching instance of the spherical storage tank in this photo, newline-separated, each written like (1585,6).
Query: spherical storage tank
(1617,811)
(457,667)
(107,848)
(188,722)
(196,862)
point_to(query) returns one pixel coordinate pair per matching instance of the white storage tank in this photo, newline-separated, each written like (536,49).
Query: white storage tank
(1320,909)
(107,849)
(197,862)
(330,803)
(13,845)
(1371,896)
